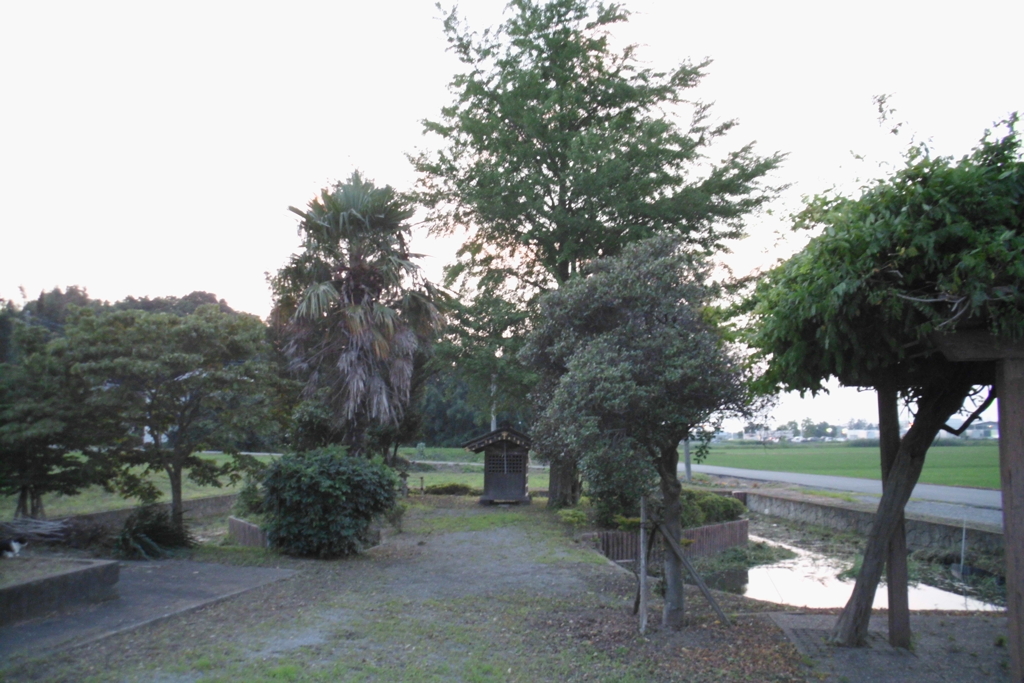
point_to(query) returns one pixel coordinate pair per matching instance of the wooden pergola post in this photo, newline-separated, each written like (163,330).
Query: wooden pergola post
(1009,360)
(1010,390)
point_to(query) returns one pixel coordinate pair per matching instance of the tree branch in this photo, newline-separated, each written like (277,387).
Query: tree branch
(974,416)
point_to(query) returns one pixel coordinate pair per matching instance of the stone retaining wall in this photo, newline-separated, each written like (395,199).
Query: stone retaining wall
(91,581)
(921,533)
(198,507)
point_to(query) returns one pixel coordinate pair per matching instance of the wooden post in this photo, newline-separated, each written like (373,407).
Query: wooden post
(643,565)
(1010,390)
(978,345)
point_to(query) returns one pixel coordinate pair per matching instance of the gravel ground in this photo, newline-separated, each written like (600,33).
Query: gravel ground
(465,593)
(482,594)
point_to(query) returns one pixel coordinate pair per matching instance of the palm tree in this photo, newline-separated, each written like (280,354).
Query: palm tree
(354,307)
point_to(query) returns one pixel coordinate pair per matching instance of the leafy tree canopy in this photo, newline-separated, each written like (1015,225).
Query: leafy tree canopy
(936,247)
(626,354)
(51,437)
(177,385)
(560,149)
(185,305)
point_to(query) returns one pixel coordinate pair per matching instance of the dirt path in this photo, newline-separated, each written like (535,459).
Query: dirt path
(464,594)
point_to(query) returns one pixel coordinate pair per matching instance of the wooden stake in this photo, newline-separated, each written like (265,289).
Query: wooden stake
(673,545)
(643,565)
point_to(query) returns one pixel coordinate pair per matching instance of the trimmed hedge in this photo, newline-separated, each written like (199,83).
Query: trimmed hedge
(321,503)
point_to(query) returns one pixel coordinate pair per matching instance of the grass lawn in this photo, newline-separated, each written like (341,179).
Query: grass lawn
(538,479)
(969,465)
(95,499)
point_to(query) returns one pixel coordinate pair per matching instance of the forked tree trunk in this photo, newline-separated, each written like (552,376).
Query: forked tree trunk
(22,509)
(563,484)
(935,406)
(896,560)
(30,503)
(668,464)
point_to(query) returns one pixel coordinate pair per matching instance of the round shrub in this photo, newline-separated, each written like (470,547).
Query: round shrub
(718,508)
(321,503)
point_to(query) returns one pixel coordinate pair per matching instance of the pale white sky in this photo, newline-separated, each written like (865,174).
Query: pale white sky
(153,148)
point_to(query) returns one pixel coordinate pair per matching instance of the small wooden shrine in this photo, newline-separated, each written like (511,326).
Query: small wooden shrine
(506,464)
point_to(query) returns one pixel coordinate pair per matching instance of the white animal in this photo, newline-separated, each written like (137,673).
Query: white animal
(12,546)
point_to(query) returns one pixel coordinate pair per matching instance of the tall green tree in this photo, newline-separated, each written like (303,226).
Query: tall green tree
(934,248)
(355,309)
(177,385)
(51,437)
(559,149)
(630,367)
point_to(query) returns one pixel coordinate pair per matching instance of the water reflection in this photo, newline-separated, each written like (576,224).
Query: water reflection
(810,580)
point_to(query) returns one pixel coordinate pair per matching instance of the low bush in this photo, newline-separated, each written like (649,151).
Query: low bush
(452,490)
(703,507)
(148,534)
(627,523)
(321,503)
(574,517)
(395,516)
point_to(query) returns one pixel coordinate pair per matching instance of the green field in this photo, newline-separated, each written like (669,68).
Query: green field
(443,455)
(968,465)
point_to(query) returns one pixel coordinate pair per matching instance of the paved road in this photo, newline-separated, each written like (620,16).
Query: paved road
(949,502)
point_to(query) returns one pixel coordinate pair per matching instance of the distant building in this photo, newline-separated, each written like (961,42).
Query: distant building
(982,430)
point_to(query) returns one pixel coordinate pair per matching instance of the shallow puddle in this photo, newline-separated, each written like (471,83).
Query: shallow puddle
(811,580)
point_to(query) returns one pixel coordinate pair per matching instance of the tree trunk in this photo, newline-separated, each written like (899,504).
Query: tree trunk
(672,616)
(935,406)
(563,485)
(896,560)
(38,512)
(177,509)
(22,509)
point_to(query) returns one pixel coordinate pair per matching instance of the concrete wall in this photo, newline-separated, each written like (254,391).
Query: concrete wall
(246,533)
(921,533)
(92,581)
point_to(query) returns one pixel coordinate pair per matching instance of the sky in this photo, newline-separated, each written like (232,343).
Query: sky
(153,149)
